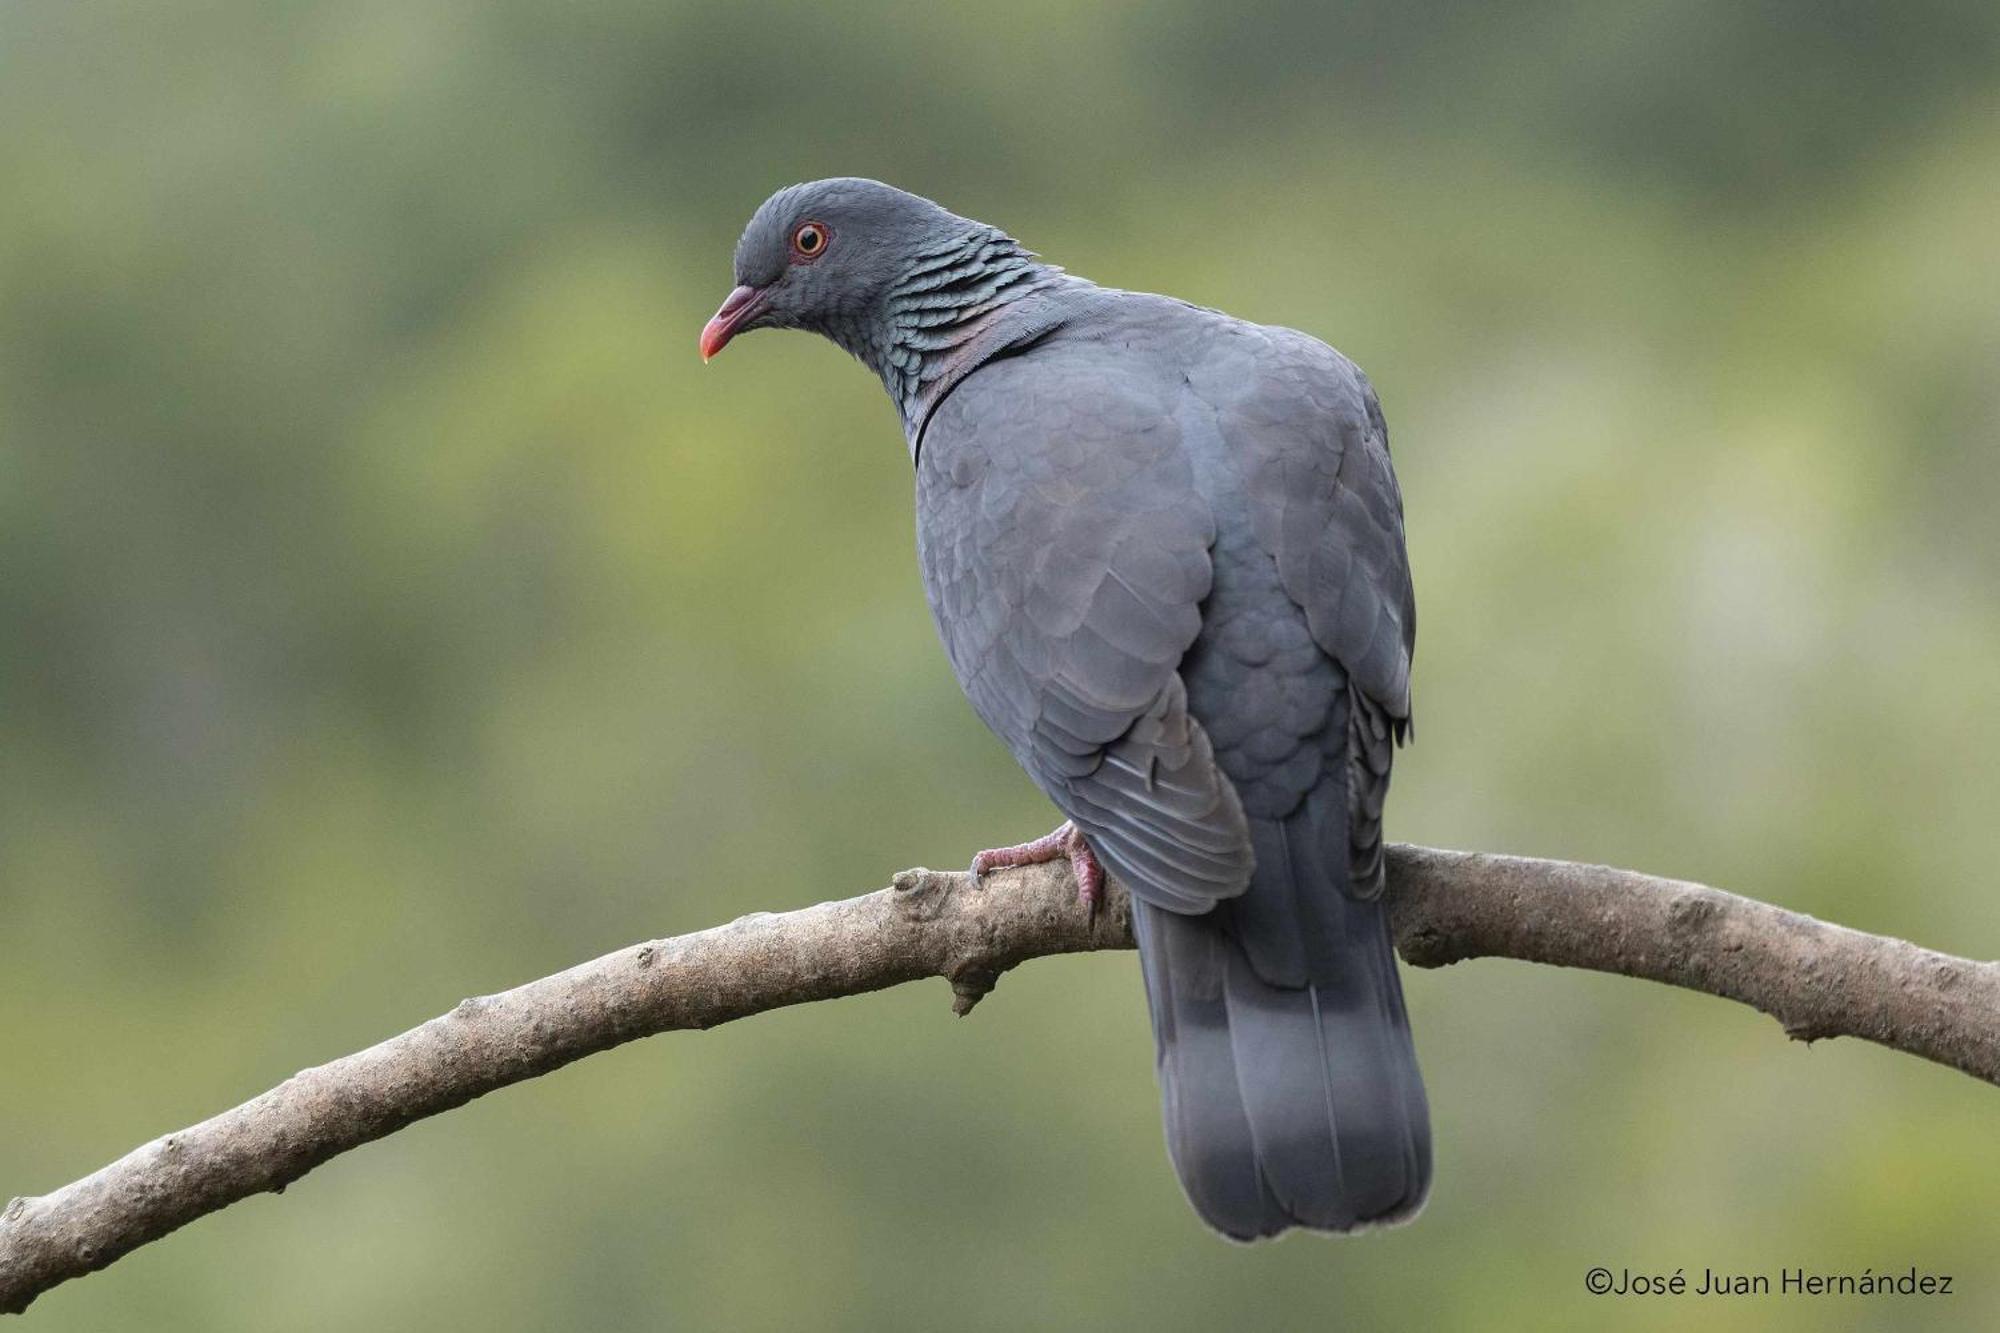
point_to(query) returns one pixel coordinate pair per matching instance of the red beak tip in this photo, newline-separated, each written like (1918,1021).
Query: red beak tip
(719,330)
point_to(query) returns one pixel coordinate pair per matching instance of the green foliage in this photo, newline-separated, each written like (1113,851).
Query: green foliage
(392,608)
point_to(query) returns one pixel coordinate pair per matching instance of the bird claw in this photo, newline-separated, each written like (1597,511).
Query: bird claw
(1065,843)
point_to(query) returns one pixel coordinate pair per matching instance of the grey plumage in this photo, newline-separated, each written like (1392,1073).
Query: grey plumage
(1164,549)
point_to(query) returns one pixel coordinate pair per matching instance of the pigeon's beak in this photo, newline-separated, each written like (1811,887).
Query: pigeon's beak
(743,305)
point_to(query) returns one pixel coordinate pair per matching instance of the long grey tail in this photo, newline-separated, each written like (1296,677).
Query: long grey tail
(1287,1071)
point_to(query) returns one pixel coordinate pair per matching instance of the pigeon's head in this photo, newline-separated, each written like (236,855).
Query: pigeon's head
(823,256)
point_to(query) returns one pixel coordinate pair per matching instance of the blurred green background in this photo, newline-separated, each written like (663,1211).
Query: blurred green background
(393,608)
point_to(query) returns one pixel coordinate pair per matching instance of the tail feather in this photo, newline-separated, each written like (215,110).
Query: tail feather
(1201,1113)
(1288,1074)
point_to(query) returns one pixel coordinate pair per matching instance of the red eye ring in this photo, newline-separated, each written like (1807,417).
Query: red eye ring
(809,241)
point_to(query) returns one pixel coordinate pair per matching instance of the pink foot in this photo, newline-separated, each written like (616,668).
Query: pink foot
(1063,844)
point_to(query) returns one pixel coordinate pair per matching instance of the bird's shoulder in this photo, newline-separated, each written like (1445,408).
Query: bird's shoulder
(1081,418)
(1063,459)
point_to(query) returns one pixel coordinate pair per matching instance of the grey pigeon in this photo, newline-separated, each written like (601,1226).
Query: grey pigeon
(1164,548)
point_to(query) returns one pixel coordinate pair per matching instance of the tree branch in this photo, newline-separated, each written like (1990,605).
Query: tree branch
(1818,980)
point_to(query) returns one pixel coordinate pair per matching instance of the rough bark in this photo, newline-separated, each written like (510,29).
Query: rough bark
(1818,980)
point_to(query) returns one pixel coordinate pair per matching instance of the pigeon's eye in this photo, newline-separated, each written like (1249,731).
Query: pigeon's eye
(809,240)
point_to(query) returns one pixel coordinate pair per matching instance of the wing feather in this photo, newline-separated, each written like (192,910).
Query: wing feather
(1065,548)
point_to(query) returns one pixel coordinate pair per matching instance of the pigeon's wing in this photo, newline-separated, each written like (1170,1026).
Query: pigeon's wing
(1065,550)
(1307,437)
